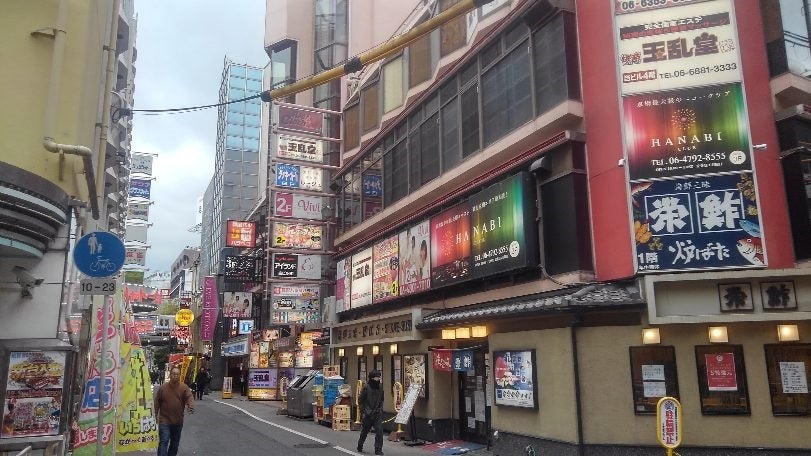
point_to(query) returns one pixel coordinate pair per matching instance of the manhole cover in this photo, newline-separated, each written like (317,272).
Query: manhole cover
(311,445)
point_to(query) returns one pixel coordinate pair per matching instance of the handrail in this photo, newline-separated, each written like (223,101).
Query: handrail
(24,451)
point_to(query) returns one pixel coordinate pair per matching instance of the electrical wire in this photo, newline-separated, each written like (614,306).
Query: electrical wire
(187,109)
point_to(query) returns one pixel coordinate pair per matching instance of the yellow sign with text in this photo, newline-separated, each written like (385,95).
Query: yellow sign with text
(184,317)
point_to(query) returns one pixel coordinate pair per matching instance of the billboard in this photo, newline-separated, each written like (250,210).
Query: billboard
(240,234)
(305,149)
(301,177)
(450,246)
(139,188)
(211,307)
(296,119)
(297,236)
(138,211)
(503,236)
(242,269)
(289,265)
(136,256)
(385,269)
(697,223)
(682,132)
(141,164)
(361,278)
(415,258)
(343,285)
(676,47)
(236,304)
(295,297)
(297,206)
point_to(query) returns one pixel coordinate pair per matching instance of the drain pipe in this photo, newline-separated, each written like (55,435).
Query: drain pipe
(576,367)
(52,105)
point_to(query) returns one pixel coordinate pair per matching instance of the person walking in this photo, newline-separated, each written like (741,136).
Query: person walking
(171,400)
(371,411)
(202,381)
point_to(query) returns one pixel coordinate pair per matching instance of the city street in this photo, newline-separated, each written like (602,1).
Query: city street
(246,428)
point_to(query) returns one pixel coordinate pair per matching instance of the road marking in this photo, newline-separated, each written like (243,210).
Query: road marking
(293,431)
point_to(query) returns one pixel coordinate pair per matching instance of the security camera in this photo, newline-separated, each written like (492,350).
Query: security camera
(26,280)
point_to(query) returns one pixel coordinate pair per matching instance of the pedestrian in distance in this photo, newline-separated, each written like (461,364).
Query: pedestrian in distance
(371,412)
(202,382)
(171,400)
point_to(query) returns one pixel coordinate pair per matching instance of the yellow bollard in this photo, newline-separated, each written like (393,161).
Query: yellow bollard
(358,388)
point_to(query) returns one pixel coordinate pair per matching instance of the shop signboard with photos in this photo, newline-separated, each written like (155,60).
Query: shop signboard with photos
(240,234)
(343,284)
(295,297)
(361,278)
(385,269)
(242,269)
(515,378)
(298,236)
(301,120)
(299,177)
(415,372)
(292,266)
(32,404)
(503,234)
(415,258)
(451,259)
(295,316)
(297,148)
(297,206)
(237,304)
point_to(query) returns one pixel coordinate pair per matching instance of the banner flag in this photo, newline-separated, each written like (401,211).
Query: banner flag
(441,360)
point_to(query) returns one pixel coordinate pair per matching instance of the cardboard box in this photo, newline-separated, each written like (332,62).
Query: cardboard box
(341,412)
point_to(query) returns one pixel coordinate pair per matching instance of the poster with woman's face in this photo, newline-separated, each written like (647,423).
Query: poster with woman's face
(515,379)
(415,259)
(414,371)
(237,304)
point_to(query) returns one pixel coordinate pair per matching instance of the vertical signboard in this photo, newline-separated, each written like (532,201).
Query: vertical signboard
(415,258)
(385,269)
(450,246)
(343,285)
(211,307)
(361,278)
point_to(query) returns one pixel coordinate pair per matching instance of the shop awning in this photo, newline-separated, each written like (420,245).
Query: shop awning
(592,296)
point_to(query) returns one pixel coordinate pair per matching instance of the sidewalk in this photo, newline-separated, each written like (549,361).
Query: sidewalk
(267,410)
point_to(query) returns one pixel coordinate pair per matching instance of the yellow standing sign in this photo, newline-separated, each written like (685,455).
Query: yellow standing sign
(668,423)
(227,383)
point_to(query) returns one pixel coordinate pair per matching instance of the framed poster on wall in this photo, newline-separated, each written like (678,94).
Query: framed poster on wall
(515,378)
(414,371)
(722,380)
(789,368)
(32,405)
(653,376)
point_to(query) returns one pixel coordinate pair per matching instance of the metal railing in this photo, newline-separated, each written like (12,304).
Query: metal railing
(24,451)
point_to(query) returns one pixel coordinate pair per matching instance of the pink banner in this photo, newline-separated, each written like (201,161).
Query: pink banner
(210,308)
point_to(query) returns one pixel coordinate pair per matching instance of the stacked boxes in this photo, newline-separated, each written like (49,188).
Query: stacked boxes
(341,418)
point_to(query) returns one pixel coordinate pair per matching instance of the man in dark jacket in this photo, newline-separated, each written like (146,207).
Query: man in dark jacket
(371,410)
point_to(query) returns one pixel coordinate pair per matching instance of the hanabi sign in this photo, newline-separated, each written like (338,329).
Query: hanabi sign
(298,206)
(302,177)
(305,149)
(240,234)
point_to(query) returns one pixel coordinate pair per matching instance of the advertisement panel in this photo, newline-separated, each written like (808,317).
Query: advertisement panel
(686,132)
(295,297)
(502,237)
(33,398)
(415,258)
(139,188)
(236,304)
(697,223)
(134,277)
(296,148)
(240,234)
(361,278)
(144,324)
(135,233)
(135,256)
(297,236)
(137,427)
(297,119)
(450,246)
(302,177)
(139,211)
(676,47)
(141,164)
(372,185)
(298,206)
(211,307)
(514,373)
(242,269)
(295,316)
(385,269)
(290,265)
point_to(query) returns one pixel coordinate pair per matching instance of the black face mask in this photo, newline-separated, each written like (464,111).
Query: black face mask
(374,383)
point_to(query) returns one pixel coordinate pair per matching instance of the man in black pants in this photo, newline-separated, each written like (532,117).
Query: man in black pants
(371,409)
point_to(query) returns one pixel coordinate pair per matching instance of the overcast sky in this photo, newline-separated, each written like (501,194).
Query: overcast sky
(182,45)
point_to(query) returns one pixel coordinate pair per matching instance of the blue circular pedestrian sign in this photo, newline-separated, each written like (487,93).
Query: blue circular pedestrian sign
(99,254)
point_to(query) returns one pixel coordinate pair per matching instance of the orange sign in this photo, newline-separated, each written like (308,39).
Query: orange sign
(184,317)
(240,234)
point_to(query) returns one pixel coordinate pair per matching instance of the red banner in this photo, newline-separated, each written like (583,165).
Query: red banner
(442,360)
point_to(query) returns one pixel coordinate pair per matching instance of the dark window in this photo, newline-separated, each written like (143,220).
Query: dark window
(351,127)
(371,107)
(470,120)
(414,169)
(429,151)
(453,34)
(400,172)
(450,135)
(551,87)
(419,61)
(566,237)
(506,95)
(283,62)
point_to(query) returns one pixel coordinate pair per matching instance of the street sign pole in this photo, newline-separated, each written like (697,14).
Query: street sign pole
(102,376)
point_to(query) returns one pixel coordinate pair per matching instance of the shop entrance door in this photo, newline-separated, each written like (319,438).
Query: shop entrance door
(474,422)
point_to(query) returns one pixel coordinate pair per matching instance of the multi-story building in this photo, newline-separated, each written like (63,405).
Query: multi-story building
(554,213)
(64,170)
